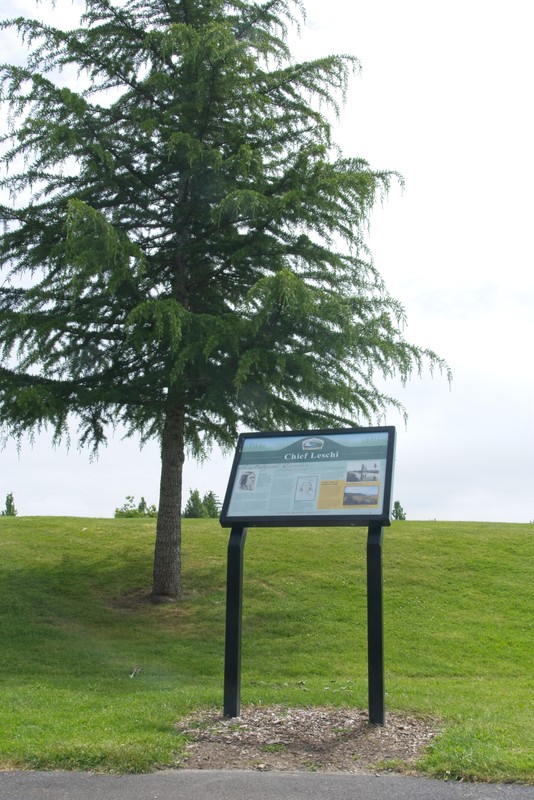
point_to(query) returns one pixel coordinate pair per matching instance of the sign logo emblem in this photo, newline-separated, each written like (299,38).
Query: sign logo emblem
(313,444)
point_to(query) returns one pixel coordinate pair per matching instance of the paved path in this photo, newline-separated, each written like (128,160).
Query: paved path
(243,785)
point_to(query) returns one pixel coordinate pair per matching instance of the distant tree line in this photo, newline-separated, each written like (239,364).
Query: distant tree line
(196,506)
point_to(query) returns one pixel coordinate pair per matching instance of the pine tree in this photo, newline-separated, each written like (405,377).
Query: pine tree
(398,511)
(211,504)
(194,508)
(182,246)
(10,510)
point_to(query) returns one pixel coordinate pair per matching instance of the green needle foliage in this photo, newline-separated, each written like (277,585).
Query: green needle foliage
(194,508)
(183,246)
(398,511)
(10,510)
(197,506)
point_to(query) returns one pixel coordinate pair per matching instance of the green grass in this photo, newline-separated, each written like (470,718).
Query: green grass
(91,678)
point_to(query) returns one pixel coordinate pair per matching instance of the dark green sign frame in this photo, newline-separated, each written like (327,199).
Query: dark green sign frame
(321,477)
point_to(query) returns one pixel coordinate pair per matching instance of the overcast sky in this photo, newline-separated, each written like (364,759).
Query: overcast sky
(445,98)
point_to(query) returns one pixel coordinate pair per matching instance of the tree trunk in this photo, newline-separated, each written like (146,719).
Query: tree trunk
(167,553)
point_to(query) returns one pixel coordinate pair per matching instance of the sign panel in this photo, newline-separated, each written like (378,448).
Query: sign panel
(326,477)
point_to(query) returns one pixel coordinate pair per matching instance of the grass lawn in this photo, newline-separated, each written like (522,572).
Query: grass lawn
(91,678)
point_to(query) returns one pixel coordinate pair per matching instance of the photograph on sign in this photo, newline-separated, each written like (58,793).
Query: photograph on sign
(311,477)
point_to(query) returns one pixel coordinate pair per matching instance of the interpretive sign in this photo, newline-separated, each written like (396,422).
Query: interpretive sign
(325,477)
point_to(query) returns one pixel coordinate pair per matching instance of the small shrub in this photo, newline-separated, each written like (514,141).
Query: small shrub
(129,509)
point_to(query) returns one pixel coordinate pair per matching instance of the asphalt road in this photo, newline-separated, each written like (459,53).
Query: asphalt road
(242,785)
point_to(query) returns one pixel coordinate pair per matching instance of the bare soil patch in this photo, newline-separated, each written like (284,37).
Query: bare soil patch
(295,739)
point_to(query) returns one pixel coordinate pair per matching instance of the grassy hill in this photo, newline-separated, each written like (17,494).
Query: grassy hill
(92,677)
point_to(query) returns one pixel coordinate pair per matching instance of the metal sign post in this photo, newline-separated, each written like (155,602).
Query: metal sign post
(234,607)
(375,626)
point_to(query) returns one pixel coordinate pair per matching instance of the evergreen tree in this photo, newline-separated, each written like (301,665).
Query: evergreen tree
(211,504)
(194,508)
(398,511)
(10,510)
(182,245)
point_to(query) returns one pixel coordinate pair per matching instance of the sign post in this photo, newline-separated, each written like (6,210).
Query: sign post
(375,627)
(234,615)
(313,478)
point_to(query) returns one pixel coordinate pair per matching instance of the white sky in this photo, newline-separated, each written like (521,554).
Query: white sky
(444,98)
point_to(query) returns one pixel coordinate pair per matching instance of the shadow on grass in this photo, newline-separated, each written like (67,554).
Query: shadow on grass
(93,618)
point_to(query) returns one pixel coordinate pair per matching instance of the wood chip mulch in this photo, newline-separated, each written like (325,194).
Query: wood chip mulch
(294,739)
